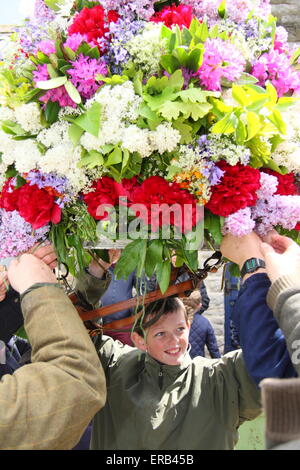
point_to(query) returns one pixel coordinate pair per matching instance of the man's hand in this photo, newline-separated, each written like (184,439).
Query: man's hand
(97,267)
(239,249)
(28,270)
(282,256)
(46,253)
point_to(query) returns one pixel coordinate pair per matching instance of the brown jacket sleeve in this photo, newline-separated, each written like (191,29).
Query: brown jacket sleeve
(48,404)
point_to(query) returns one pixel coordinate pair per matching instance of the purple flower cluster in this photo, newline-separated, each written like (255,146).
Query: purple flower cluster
(221,60)
(56,94)
(131,9)
(276,67)
(42,12)
(84,73)
(270,210)
(59,184)
(17,235)
(122,31)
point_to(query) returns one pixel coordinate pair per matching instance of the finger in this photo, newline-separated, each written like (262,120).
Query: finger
(266,250)
(280,243)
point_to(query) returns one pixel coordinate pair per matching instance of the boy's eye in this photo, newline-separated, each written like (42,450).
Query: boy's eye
(160,333)
(181,328)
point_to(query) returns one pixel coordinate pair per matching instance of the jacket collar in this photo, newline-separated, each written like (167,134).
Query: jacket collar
(154,367)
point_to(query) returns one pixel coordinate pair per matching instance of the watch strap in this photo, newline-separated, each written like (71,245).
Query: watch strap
(251,265)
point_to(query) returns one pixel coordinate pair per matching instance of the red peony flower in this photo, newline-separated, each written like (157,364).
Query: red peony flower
(156,195)
(236,190)
(9,196)
(286,183)
(181,15)
(93,22)
(37,206)
(105,191)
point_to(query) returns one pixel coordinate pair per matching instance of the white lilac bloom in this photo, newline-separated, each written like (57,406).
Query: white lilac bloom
(54,135)
(119,108)
(29,117)
(147,48)
(6,114)
(7,145)
(287,154)
(63,159)
(26,155)
(135,139)
(165,138)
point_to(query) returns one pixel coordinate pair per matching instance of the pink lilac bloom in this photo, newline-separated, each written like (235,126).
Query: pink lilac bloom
(46,46)
(281,40)
(276,210)
(221,60)
(83,75)
(75,40)
(56,94)
(239,224)
(17,235)
(42,12)
(276,67)
(268,186)
(237,10)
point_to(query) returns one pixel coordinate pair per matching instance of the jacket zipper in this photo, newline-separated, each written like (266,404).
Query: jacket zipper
(160,378)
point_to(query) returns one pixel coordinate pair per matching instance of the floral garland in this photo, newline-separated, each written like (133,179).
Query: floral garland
(139,107)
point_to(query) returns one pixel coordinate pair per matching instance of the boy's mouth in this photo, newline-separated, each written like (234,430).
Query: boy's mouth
(173,352)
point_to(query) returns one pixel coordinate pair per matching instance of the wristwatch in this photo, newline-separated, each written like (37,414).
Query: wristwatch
(251,265)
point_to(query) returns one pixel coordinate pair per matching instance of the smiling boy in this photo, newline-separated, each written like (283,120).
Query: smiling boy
(158,398)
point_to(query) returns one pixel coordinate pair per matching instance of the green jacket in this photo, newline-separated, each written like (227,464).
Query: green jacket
(197,405)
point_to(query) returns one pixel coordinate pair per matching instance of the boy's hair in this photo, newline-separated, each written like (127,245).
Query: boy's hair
(155,310)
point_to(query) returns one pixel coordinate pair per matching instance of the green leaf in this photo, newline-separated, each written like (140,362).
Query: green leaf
(52,83)
(240,95)
(155,102)
(212,223)
(129,259)
(94,53)
(75,133)
(227,125)
(91,160)
(90,120)
(142,257)
(153,256)
(163,272)
(51,70)
(51,111)
(70,53)
(195,58)
(253,125)
(222,9)
(184,129)
(271,90)
(114,157)
(72,92)
(246,79)
(169,63)
(176,80)
(276,119)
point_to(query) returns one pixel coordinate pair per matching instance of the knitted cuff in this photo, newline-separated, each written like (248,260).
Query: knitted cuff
(281,284)
(281,402)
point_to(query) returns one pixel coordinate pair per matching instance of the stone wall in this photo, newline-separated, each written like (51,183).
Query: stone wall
(288,15)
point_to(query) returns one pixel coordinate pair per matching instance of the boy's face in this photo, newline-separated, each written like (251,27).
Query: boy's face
(167,340)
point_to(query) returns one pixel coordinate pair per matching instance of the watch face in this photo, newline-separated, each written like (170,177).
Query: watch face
(251,265)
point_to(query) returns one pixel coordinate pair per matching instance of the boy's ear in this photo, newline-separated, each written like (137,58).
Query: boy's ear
(138,341)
